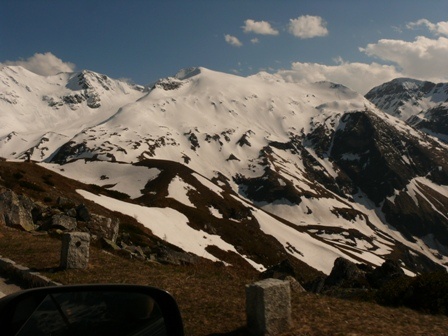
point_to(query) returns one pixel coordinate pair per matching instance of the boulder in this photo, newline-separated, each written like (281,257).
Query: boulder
(295,285)
(345,274)
(14,212)
(63,222)
(279,271)
(103,227)
(166,255)
(389,270)
(316,285)
(109,245)
(135,251)
(64,202)
(83,213)
(71,212)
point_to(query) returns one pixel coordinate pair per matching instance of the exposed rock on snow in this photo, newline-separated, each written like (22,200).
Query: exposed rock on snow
(306,169)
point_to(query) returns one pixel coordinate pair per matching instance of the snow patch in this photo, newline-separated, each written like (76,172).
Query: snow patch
(169,225)
(178,189)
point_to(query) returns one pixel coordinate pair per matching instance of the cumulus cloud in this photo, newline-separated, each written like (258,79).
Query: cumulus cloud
(232,40)
(43,64)
(308,26)
(423,58)
(360,77)
(259,27)
(255,40)
(439,28)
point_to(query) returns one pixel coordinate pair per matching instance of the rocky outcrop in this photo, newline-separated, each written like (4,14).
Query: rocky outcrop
(71,220)
(280,271)
(167,255)
(388,271)
(63,222)
(433,121)
(15,210)
(103,227)
(346,275)
(23,213)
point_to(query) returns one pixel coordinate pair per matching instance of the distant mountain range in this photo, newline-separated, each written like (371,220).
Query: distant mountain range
(256,167)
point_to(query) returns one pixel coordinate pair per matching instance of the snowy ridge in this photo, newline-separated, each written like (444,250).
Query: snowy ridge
(67,103)
(226,159)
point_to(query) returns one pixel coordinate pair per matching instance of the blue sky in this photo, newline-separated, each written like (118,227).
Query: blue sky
(354,42)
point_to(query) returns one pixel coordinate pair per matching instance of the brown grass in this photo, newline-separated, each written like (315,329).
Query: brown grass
(211,296)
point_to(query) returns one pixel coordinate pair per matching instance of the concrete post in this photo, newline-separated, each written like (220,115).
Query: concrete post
(268,307)
(75,250)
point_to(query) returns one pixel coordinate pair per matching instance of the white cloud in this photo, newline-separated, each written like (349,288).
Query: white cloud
(43,64)
(439,28)
(360,77)
(423,58)
(308,26)
(232,40)
(259,27)
(255,40)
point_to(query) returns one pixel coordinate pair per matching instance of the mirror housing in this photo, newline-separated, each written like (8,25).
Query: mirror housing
(100,309)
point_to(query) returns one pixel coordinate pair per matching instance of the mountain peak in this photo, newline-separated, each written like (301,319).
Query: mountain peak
(422,104)
(188,72)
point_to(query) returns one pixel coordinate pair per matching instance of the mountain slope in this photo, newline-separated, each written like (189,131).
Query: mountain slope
(250,165)
(39,114)
(424,105)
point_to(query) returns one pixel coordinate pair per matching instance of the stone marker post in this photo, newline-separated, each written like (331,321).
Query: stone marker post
(268,307)
(75,250)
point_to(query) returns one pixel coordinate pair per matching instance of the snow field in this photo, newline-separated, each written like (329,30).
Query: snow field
(169,225)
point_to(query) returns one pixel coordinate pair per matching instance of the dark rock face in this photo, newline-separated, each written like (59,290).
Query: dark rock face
(434,121)
(69,150)
(389,270)
(348,275)
(268,188)
(279,271)
(369,154)
(369,147)
(400,89)
(168,84)
(166,255)
(82,84)
(193,140)
(345,274)
(354,148)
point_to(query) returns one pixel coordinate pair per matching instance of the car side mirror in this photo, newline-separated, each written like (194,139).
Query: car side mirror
(91,310)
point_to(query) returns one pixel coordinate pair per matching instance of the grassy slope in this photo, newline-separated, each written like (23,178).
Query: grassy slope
(211,297)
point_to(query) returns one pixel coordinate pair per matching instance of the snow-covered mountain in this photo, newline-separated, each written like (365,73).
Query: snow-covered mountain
(219,164)
(422,104)
(39,114)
